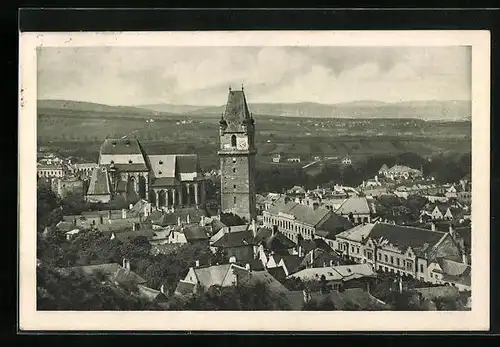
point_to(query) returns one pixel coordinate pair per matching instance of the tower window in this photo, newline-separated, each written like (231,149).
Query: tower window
(234,170)
(130,161)
(234,200)
(233,140)
(234,186)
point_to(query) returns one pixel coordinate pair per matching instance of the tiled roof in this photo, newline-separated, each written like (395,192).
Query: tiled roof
(212,275)
(349,272)
(315,273)
(235,239)
(404,237)
(149,294)
(256,265)
(358,233)
(254,277)
(170,218)
(292,262)
(455,272)
(187,163)
(465,233)
(114,271)
(195,232)
(274,243)
(120,146)
(185,288)
(236,107)
(358,298)
(99,183)
(162,165)
(302,213)
(277,272)
(356,205)
(129,235)
(320,258)
(334,224)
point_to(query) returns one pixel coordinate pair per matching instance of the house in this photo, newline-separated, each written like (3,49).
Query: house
(296,191)
(336,276)
(449,272)
(235,242)
(297,221)
(269,240)
(357,208)
(225,275)
(121,276)
(290,263)
(397,172)
(398,249)
(319,258)
(50,170)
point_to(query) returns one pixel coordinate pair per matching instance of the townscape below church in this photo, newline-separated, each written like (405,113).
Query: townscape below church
(399,230)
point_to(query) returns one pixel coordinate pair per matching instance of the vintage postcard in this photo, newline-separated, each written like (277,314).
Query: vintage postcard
(270,181)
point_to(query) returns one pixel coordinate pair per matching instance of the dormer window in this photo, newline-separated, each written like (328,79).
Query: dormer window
(159,172)
(113,143)
(127,143)
(161,162)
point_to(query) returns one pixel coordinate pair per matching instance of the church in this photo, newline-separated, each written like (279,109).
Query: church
(127,169)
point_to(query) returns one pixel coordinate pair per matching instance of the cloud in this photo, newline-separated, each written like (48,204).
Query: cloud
(202,75)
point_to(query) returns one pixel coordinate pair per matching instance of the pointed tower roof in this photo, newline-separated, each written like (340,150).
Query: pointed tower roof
(236,107)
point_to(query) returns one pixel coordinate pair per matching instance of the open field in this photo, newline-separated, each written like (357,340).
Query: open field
(304,137)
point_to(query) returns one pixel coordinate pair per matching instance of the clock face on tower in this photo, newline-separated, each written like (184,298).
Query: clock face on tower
(242,143)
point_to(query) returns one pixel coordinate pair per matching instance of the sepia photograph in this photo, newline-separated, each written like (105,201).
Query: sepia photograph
(231,173)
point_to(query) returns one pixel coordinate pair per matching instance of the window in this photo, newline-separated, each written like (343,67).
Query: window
(234,200)
(130,161)
(161,162)
(234,185)
(352,249)
(234,160)
(392,259)
(397,261)
(159,172)
(234,170)
(421,268)
(386,258)
(233,141)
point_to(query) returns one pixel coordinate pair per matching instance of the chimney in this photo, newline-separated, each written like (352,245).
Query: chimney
(126,263)
(179,221)
(376,178)
(162,289)
(300,251)
(247,267)
(312,258)
(124,213)
(202,221)
(433,226)
(188,219)
(315,206)
(197,263)
(464,258)
(130,206)
(450,230)
(331,263)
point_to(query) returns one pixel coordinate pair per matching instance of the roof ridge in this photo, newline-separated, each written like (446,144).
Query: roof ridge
(409,227)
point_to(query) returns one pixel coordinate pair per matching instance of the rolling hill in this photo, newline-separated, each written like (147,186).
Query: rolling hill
(452,110)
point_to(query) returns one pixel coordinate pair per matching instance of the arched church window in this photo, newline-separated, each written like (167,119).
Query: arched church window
(233,140)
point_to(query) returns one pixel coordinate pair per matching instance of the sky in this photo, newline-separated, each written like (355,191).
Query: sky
(202,75)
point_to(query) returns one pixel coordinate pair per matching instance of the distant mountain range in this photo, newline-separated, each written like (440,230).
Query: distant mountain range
(453,110)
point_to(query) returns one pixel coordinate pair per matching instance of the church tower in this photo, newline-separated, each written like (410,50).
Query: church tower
(237,157)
